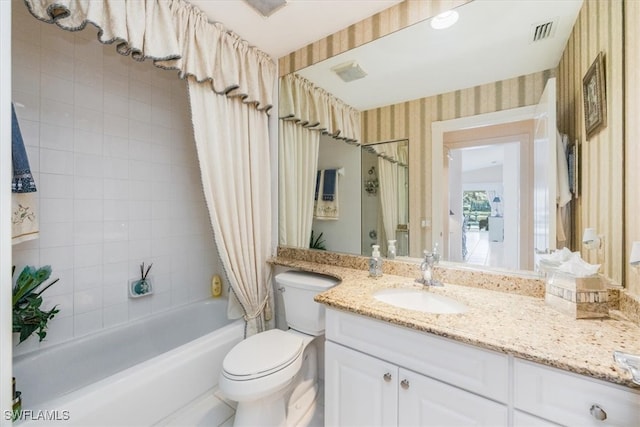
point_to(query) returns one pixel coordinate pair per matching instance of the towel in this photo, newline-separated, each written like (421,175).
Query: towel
(319,176)
(563,192)
(22,181)
(329,186)
(326,206)
(24,217)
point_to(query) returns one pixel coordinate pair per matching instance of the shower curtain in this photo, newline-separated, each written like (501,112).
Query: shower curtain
(388,167)
(299,151)
(306,112)
(231,88)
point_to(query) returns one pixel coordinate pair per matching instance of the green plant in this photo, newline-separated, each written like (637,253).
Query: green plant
(317,243)
(27,315)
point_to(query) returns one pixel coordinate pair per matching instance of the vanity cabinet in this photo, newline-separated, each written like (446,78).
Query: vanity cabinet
(570,399)
(367,391)
(377,374)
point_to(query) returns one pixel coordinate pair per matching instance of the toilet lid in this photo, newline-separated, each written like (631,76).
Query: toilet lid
(262,354)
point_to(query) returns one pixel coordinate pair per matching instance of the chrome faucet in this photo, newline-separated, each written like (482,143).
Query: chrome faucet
(430,259)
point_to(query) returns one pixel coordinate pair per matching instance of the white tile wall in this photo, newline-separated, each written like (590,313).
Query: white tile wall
(110,144)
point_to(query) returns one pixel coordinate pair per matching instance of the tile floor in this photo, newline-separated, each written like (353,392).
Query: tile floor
(482,251)
(212,409)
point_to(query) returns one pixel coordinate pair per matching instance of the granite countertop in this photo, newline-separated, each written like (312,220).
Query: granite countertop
(522,326)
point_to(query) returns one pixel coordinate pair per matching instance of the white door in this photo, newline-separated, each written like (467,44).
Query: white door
(362,390)
(544,172)
(424,401)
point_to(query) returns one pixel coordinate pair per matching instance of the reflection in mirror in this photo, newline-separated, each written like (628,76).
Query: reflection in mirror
(465,71)
(385,197)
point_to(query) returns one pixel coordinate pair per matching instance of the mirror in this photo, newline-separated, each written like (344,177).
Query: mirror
(385,198)
(495,75)
(368,174)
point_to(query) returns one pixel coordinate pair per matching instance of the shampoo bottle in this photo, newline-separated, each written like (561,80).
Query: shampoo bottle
(375,262)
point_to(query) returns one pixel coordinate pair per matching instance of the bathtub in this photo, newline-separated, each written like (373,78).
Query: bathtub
(130,375)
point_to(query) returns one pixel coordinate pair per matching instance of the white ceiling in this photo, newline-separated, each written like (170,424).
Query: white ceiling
(295,25)
(482,157)
(490,42)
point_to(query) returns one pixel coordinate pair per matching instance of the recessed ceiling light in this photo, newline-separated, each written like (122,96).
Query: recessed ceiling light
(444,20)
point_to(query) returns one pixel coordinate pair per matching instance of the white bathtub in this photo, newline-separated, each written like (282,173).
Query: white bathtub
(133,375)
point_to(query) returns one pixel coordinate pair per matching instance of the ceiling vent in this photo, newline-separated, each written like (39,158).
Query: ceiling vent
(349,71)
(543,31)
(266,8)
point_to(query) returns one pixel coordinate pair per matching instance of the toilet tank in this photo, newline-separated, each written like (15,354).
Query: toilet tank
(298,289)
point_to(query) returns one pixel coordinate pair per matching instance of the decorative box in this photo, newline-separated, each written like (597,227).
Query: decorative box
(579,297)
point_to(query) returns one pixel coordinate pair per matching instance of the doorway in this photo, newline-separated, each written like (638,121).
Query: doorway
(484,194)
(498,163)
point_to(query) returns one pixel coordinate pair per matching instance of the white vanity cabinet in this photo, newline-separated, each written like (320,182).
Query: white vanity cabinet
(570,399)
(366,391)
(378,374)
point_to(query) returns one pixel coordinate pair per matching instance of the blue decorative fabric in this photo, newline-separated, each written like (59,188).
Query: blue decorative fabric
(329,187)
(22,179)
(318,175)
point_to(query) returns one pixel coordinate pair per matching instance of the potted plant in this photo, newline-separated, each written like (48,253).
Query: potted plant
(317,242)
(28,317)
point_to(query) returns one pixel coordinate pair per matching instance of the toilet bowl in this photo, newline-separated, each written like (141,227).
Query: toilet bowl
(273,375)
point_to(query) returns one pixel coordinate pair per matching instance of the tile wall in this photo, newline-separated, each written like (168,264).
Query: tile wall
(110,143)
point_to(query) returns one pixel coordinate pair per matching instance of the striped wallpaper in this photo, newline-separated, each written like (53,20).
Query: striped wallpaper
(632,143)
(412,120)
(386,22)
(599,28)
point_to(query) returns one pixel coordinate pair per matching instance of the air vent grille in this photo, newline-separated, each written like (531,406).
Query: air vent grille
(543,31)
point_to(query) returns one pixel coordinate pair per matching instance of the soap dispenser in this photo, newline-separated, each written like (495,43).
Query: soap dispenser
(391,249)
(375,262)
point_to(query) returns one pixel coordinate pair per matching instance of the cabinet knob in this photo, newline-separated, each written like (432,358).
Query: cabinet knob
(387,377)
(404,384)
(598,413)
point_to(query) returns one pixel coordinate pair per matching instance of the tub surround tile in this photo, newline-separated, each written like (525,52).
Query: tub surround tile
(520,325)
(86,113)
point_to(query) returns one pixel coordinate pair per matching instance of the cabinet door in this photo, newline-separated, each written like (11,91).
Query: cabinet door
(360,390)
(522,419)
(424,401)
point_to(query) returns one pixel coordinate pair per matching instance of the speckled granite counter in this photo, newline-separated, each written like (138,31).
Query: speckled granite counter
(522,326)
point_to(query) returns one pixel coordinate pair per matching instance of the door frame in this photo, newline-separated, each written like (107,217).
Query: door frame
(438,129)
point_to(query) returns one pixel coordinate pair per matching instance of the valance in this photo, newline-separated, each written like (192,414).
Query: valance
(175,35)
(315,108)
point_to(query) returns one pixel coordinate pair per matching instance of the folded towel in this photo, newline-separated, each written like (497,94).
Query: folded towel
(326,208)
(24,203)
(24,217)
(329,187)
(22,179)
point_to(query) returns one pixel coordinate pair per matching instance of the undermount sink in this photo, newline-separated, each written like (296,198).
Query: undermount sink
(419,300)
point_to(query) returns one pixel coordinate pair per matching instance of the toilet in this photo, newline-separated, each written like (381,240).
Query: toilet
(273,375)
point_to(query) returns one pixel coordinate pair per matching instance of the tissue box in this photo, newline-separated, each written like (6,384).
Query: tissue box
(579,297)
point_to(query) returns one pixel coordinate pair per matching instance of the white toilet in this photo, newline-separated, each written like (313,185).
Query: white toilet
(273,375)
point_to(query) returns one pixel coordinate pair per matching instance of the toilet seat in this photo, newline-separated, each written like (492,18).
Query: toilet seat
(262,354)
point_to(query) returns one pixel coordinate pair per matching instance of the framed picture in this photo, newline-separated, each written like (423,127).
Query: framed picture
(595,100)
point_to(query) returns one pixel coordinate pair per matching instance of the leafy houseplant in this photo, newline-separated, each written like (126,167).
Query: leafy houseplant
(317,243)
(27,315)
